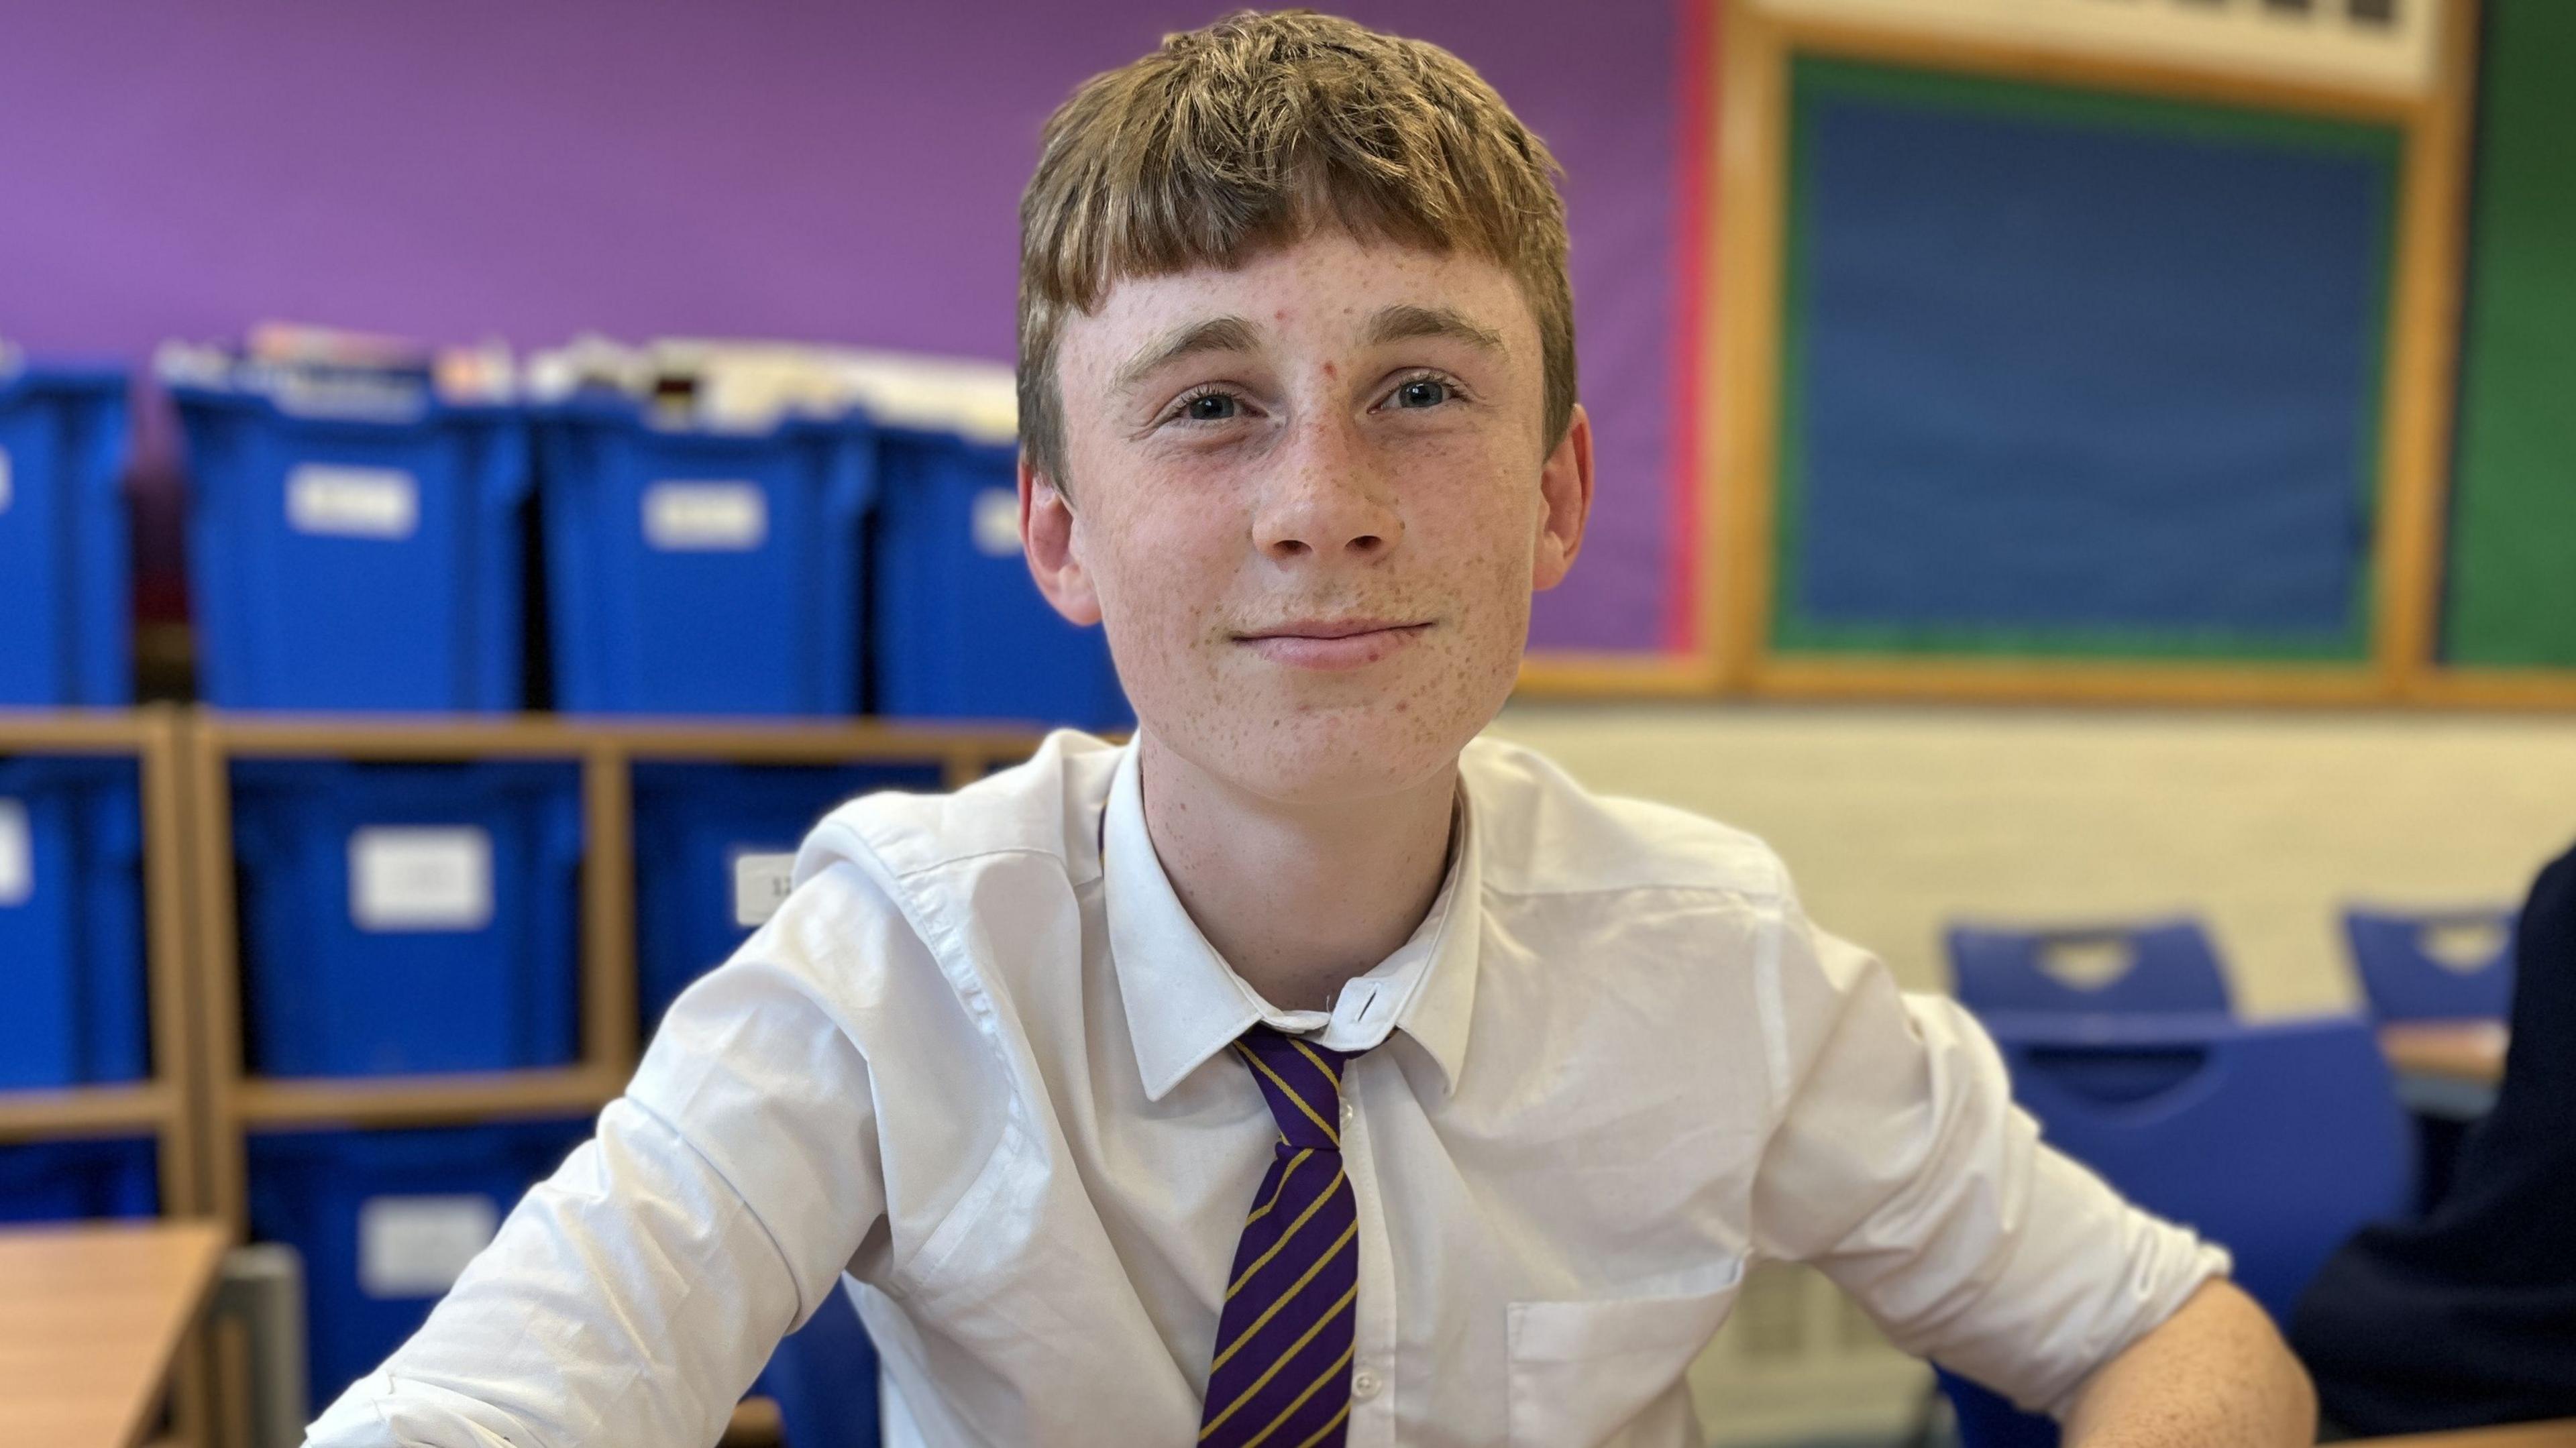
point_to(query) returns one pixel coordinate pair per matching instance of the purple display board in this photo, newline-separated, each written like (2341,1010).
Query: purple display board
(842,172)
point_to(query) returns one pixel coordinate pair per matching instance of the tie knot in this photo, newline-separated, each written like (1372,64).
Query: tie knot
(1302,1082)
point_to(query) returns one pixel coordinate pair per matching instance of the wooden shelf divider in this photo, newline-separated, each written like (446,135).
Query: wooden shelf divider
(168,1105)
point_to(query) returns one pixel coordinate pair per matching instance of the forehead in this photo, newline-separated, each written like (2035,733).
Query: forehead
(1325,288)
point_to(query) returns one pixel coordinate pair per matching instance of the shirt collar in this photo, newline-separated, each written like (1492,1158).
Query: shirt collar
(1185,1004)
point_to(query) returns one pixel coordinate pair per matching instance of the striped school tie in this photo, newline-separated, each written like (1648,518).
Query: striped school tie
(1282,1371)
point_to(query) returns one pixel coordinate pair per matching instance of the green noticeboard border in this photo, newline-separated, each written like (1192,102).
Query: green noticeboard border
(2510,588)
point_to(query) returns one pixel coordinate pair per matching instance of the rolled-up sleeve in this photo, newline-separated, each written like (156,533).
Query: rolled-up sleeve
(633,1296)
(1900,1166)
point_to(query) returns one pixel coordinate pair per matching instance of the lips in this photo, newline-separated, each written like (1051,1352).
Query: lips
(1334,645)
(1331,628)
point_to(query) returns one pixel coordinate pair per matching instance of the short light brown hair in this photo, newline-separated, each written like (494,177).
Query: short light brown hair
(1250,134)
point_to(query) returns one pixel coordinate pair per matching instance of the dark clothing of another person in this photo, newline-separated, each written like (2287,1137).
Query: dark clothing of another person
(2468,1317)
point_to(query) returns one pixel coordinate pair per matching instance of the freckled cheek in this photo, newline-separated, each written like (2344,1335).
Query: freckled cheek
(1162,578)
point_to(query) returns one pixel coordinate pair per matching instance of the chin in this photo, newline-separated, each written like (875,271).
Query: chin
(1326,755)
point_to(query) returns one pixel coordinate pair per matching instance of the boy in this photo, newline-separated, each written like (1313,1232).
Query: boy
(1306,1072)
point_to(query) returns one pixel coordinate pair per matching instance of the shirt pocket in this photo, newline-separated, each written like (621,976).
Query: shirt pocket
(1583,1371)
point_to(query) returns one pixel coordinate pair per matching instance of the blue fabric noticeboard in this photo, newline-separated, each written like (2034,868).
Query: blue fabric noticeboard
(2076,374)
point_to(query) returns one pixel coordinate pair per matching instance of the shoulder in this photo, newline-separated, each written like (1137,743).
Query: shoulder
(1543,833)
(1046,808)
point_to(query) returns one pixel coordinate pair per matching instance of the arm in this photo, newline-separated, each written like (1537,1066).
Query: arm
(632,1297)
(1899,1165)
(2214,1375)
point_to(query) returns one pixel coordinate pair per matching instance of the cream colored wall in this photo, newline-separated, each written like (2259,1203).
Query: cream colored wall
(1895,820)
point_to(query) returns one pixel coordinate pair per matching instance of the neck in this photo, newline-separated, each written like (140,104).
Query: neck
(1298,899)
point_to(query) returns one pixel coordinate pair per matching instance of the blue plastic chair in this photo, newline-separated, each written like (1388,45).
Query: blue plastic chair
(2405,981)
(2277,1140)
(2171,966)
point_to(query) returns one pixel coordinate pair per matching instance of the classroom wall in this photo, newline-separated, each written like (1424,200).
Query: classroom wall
(806,169)
(1896,821)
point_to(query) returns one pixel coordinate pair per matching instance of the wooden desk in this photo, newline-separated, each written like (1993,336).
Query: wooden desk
(2448,1069)
(90,1318)
(2561,1434)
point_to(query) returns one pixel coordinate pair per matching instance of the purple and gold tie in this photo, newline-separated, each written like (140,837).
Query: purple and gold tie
(1282,1372)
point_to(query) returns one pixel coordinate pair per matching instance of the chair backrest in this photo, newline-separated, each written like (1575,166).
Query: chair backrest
(2277,1139)
(2406,977)
(2164,965)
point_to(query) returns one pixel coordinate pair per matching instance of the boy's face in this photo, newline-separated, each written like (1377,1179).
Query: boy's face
(1310,498)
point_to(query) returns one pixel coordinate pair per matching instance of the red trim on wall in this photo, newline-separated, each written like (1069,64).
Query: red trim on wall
(1694,285)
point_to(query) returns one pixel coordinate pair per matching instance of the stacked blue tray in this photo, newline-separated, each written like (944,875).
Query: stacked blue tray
(384,1221)
(72,956)
(958,627)
(60,1181)
(697,570)
(407,918)
(65,615)
(356,541)
(71,922)
(713,843)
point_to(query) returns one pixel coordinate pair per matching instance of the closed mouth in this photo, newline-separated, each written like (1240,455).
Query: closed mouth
(1335,628)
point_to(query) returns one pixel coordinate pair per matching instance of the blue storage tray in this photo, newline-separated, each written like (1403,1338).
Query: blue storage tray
(958,628)
(824,1379)
(691,823)
(696,572)
(429,983)
(66,618)
(61,1181)
(311,1190)
(71,922)
(356,558)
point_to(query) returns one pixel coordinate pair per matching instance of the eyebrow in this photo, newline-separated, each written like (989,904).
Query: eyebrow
(1217,334)
(1407,323)
(1404,322)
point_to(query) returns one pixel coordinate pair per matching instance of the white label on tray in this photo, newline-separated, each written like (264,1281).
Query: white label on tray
(997,522)
(408,878)
(706,517)
(17,855)
(760,885)
(343,502)
(418,1246)
(4,480)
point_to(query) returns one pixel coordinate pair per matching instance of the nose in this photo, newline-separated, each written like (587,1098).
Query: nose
(1329,499)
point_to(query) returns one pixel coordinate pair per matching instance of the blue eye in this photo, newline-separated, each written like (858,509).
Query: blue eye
(1422,392)
(1210,407)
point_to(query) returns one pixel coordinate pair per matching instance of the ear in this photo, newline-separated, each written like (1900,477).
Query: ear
(1565,492)
(1046,535)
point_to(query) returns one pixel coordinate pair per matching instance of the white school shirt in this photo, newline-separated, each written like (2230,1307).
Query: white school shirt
(978,1064)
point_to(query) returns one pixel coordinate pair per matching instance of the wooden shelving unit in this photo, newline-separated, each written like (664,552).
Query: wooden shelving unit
(201,1105)
(164,1105)
(235,1104)
(605,750)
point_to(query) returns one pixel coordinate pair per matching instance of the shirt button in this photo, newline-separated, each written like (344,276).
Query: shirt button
(1364,1385)
(1348,1111)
